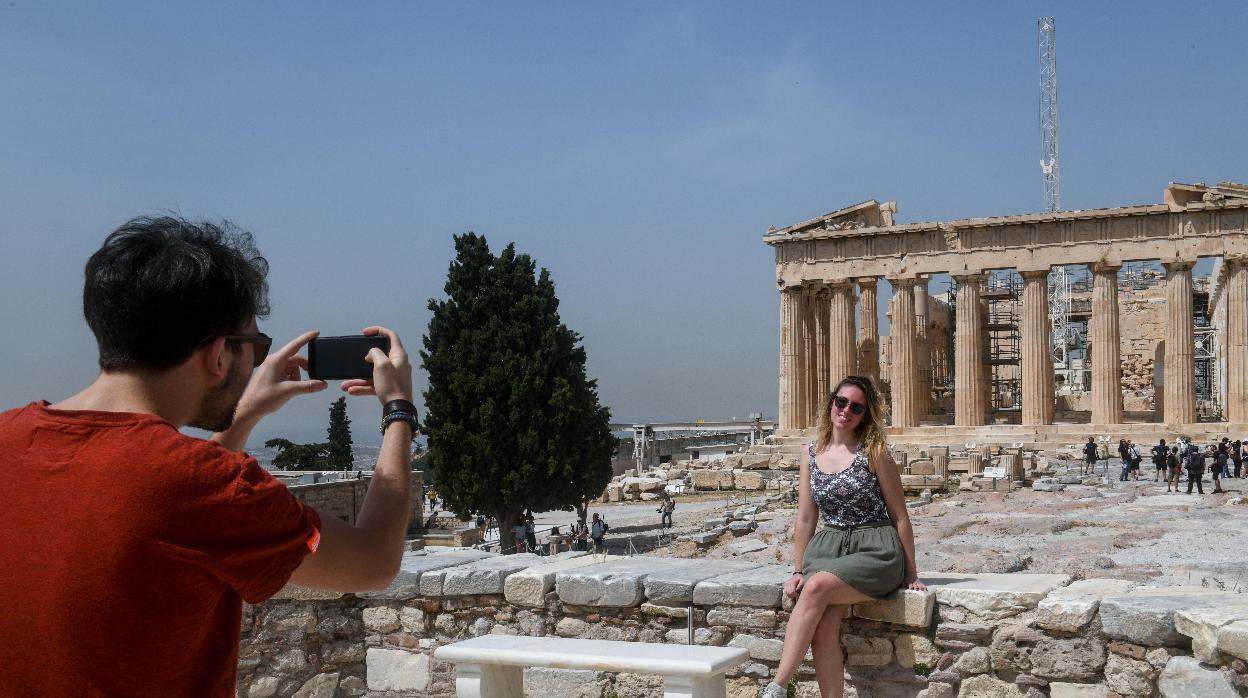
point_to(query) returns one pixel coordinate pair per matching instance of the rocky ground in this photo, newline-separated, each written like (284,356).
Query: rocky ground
(1125,530)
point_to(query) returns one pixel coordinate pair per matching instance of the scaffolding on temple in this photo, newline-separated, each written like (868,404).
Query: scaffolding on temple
(1002,293)
(1206,345)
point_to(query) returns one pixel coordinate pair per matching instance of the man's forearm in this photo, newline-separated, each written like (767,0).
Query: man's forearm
(387,507)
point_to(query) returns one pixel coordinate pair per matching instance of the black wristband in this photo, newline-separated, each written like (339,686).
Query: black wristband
(399,416)
(398,406)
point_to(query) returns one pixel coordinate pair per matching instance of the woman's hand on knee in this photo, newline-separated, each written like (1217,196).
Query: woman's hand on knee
(912,581)
(794,585)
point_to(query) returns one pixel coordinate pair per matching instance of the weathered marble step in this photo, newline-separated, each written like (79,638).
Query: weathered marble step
(529,587)
(993,596)
(674,586)
(760,586)
(1147,616)
(485,576)
(407,583)
(615,583)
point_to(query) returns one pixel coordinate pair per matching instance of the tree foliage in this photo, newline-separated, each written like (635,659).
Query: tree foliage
(334,454)
(293,456)
(513,422)
(339,455)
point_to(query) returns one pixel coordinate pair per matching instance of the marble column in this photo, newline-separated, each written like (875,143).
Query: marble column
(969,358)
(1106,352)
(905,366)
(789,308)
(1179,370)
(1237,340)
(812,360)
(1037,363)
(842,349)
(868,329)
(806,350)
(922,347)
(822,301)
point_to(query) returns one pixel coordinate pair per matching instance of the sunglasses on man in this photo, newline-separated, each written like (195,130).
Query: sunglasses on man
(262,341)
(854,407)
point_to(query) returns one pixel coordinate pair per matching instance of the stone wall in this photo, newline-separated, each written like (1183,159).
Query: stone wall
(342,499)
(999,635)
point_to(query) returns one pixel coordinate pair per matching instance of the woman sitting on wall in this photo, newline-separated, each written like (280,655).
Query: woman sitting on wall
(865,548)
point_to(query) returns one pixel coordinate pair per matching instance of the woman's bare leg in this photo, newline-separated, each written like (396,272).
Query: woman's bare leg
(823,589)
(826,648)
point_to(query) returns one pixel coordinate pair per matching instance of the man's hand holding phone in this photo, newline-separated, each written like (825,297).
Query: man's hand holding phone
(278,379)
(392,372)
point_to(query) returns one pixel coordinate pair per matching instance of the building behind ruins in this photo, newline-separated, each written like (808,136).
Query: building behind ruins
(1090,319)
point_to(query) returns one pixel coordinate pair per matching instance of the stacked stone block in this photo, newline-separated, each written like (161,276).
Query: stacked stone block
(1012,635)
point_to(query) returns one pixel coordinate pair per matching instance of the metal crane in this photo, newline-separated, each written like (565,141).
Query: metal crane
(1047,38)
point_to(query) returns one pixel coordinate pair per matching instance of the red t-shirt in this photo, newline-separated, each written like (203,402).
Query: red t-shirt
(126,551)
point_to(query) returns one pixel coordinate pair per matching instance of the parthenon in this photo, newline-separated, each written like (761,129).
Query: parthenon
(820,263)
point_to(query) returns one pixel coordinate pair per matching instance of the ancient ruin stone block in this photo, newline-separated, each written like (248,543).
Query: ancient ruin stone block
(907,607)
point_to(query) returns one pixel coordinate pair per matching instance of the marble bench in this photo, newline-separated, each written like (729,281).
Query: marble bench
(492,666)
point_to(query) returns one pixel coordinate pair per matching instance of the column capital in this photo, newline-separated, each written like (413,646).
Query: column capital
(1034,273)
(839,283)
(902,282)
(970,277)
(1235,260)
(866,281)
(1104,268)
(1179,265)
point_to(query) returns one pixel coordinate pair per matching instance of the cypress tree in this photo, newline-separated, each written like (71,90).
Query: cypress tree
(512,419)
(338,453)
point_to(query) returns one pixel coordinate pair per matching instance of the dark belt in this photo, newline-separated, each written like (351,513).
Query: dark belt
(844,547)
(869,524)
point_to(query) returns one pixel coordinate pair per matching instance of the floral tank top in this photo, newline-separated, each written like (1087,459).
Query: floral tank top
(851,497)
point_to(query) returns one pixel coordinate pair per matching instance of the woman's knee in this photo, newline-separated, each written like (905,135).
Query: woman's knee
(828,631)
(823,585)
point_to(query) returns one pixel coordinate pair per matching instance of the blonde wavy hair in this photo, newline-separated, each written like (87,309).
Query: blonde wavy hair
(870,431)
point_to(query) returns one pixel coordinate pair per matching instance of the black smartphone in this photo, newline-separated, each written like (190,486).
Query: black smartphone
(339,358)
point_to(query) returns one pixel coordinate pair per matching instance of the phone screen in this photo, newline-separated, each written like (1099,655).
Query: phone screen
(338,358)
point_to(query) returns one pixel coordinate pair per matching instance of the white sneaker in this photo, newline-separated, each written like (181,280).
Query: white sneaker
(774,690)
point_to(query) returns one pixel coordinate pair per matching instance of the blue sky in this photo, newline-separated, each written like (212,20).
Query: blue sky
(639,151)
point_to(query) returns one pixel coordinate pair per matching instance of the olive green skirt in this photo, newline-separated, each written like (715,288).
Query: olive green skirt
(869,558)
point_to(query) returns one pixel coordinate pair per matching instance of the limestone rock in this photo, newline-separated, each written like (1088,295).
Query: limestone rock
(755,587)
(985,686)
(712,480)
(1185,677)
(748,545)
(1147,617)
(766,649)
(1073,659)
(263,687)
(397,670)
(1078,690)
(1131,677)
(862,650)
(994,596)
(674,584)
(381,620)
(319,686)
(968,632)
(741,616)
(573,683)
(907,607)
(976,661)
(916,649)
(614,583)
(747,480)
(477,577)
(936,690)
(1070,608)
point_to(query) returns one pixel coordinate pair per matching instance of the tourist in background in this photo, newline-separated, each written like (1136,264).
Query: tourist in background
(1195,465)
(581,531)
(1089,456)
(518,540)
(1125,457)
(1160,451)
(665,510)
(1218,455)
(597,531)
(1173,462)
(864,550)
(530,531)
(1237,456)
(1224,454)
